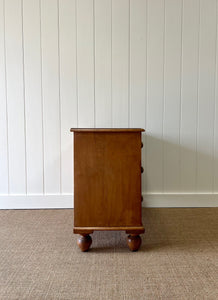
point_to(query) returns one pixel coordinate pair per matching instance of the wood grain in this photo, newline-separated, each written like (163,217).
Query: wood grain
(107,179)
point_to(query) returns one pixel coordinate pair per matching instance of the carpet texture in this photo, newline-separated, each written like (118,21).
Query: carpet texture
(178,259)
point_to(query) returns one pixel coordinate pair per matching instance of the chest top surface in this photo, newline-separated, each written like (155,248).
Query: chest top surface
(107,130)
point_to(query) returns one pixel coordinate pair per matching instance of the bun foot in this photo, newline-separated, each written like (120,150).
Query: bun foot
(84,242)
(134,242)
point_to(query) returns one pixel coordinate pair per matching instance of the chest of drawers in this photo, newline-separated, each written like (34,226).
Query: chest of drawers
(107,183)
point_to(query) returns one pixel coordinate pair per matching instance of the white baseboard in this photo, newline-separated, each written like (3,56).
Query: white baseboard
(180,200)
(150,200)
(36,201)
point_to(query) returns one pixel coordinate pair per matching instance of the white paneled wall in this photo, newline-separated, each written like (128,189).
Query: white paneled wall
(108,63)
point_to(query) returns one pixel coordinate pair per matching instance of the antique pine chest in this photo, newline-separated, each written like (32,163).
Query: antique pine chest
(107,183)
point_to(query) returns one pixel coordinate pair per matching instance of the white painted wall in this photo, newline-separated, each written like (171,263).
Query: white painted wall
(108,63)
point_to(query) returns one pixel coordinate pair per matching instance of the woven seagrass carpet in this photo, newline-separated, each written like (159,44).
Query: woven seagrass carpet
(178,259)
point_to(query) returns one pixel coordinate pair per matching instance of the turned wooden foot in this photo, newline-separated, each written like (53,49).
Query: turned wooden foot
(134,242)
(84,242)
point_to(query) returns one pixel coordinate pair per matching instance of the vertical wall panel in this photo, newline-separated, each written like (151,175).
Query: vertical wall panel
(189,94)
(103,63)
(33,103)
(137,72)
(108,63)
(172,93)
(85,63)
(137,63)
(120,63)
(50,88)
(206,89)
(68,88)
(215,158)
(15,96)
(3,109)
(155,72)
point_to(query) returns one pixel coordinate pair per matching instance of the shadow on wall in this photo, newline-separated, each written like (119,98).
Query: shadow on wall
(178,167)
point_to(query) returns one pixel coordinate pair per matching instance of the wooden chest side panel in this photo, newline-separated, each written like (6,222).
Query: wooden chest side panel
(107,179)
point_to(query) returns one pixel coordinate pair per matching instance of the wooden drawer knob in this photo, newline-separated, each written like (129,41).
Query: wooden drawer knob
(142,169)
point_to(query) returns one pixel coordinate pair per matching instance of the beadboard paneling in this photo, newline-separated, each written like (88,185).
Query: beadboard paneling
(137,70)
(172,95)
(103,60)
(3,109)
(109,63)
(206,95)
(85,63)
(33,93)
(215,155)
(155,95)
(14,59)
(68,88)
(189,94)
(120,63)
(51,95)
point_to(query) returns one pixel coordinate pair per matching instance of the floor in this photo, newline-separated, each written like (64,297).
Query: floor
(178,259)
